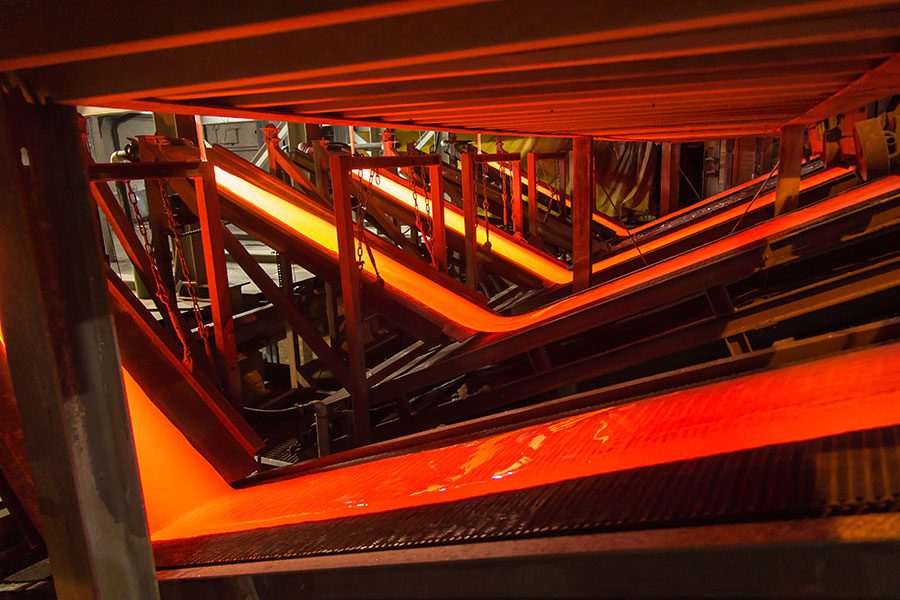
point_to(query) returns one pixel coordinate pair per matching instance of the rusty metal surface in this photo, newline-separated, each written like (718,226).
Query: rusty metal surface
(847,474)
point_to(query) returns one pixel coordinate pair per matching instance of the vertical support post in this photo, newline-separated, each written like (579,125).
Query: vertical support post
(439,230)
(790,158)
(320,159)
(517,217)
(286,270)
(564,183)
(669,182)
(271,140)
(323,438)
(470,217)
(64,361)
(350,292)
(582,198)
(226,358)
(533,233)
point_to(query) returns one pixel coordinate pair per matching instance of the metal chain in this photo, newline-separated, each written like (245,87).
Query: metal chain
(185,270)
(361,234)
(427,236)
(486,207)
(555,197)
(161,290)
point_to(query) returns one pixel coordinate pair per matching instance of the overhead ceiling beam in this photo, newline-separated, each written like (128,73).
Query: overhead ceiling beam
(836,29)
(881,81)
(858,55)
(454,33)
(41,32)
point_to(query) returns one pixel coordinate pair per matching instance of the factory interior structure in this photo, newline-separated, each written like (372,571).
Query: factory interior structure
(445,299)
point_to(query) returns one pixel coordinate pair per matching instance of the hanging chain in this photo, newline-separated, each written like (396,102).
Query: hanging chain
(361,233)
(427,235)
(555,197)
(185,270)
(161,290)
(485,206)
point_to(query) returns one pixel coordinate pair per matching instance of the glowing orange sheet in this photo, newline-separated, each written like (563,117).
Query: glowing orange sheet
(528,259)
(541,265)
(831,396)
(404,281)
(543,188)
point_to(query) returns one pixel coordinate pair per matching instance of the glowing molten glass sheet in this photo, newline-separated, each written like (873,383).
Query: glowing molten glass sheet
(406,283)
(543,188)
(535,262)
(828,397)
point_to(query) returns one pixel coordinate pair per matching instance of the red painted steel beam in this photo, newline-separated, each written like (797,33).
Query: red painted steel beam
(143,170)
(208,212)
(470,216)
(439,228)
(582,201)
(518,217)
(790,159)
(533,230)
(286,307)
(350,295)
(669,178)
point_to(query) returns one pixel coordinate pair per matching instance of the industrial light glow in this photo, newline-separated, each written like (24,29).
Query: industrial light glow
(531,260)
(772,407)
(405,282)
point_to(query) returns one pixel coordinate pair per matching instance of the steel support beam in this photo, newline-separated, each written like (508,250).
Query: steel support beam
(790,157)
(438,229)
(297,322)
(286,277)
(517,217)
(470,217)
(533,233)
(582,200)
(211,233)
(64,361)
(351,297)
(669,178)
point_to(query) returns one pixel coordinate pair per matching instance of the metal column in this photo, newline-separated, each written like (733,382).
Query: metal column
(669,180)
(470,216)
(790,157)
(533,234)
(219,295)
(350,294)
(438,229)
(518,218)
(582,199)
(64,361)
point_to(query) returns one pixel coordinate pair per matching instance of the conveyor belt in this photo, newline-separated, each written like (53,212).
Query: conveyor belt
(725,199)
(848,474)
(808,440)
(459,314)
(600,219)
(554,272)
(512,250)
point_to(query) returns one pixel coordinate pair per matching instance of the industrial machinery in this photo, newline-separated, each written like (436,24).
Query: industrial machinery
(349,367)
